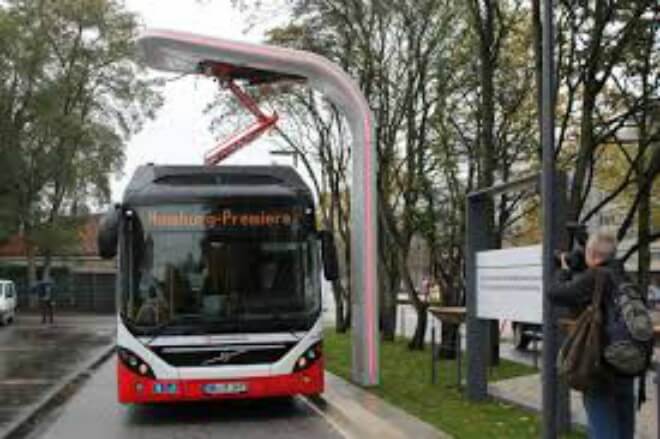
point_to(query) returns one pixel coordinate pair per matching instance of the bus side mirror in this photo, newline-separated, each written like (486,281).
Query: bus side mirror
(329,253)
(107,237)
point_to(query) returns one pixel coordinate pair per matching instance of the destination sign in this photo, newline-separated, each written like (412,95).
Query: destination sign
(224,218)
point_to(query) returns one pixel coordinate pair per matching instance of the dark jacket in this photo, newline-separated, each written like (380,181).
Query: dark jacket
(575,290)
(44,291)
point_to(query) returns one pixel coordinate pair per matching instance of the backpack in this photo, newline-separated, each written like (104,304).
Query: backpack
(579,359)
(629,332)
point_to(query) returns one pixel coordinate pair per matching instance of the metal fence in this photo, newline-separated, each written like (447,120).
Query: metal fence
(74,291)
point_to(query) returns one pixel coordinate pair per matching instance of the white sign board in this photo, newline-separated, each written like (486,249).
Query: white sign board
(510,284)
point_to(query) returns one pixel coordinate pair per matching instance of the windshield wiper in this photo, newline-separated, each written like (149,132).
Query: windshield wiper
(156,332)
(286,320)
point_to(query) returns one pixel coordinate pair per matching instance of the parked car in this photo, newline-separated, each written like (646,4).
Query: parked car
(7,301)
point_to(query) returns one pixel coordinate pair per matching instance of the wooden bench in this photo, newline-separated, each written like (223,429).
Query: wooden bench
(451,314)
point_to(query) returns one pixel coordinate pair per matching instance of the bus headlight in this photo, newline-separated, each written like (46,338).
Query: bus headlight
(143,369)
(309,357)
(136,364)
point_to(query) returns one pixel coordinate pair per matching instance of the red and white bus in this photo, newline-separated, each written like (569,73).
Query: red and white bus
(219,288)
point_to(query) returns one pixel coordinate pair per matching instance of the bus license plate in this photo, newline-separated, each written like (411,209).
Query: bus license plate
(224,388)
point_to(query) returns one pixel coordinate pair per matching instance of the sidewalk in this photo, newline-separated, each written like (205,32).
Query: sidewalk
(36,361)
(361,414)
(525,391)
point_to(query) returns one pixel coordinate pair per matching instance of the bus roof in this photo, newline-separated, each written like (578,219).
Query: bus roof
(153,184)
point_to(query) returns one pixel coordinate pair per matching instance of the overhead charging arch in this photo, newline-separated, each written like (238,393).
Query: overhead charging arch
(230,62)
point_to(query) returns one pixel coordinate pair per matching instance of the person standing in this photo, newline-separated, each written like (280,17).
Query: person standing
(610,399)
(45,293)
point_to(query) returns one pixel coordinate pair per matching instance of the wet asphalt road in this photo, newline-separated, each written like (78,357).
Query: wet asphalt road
(95,413)
(35,357)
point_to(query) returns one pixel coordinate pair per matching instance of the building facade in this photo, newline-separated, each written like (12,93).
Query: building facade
(83,281)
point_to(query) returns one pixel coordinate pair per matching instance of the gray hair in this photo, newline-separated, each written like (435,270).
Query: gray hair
(603,244)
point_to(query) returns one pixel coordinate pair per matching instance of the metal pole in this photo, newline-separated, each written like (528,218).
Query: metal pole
(549,372)
(560,239)
(182,52)
(657,398)
(477,329)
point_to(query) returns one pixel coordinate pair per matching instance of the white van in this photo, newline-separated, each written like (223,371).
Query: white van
(7,301)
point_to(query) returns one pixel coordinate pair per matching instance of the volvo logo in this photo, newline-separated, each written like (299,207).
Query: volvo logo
(224,357)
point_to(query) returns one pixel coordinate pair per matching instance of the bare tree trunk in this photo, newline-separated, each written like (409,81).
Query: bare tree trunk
(342,323)
(48,259)
(388,307)
(417,341)
(339,315)
(448,345)
(31,266)
(346,288)
(389,286)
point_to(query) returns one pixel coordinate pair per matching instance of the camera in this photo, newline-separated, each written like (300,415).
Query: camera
(575,257)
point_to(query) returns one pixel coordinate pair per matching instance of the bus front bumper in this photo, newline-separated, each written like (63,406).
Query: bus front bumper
(136,389)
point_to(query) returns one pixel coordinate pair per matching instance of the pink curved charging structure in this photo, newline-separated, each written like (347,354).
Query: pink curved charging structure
(183,52)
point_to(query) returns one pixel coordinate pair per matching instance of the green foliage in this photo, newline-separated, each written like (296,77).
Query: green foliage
(70,98)
(60,236)
(442,131)
(8,199)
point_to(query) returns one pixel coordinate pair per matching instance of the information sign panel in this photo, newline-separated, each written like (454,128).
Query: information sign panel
(510,284)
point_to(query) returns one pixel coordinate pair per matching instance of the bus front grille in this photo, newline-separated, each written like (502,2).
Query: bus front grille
(222,355)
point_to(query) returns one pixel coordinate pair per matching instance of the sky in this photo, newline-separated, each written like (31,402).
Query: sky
(179,134)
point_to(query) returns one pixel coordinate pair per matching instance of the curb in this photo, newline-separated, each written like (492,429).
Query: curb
(33,411)
(497,395)
(335,417)
(353,418)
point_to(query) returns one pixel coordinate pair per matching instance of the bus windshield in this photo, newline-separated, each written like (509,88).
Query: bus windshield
(198,270)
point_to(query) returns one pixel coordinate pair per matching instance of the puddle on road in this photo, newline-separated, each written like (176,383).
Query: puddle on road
(34,359)
(6,415)
(48,361)
(18,396)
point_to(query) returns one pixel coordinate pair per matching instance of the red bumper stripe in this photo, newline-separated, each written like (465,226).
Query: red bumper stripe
(133,388)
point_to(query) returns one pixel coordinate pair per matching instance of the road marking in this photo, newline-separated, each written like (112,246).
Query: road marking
(327,418)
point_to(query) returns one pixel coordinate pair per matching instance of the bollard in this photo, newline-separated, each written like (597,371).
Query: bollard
(434,371)
(458,357)
(449,363)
